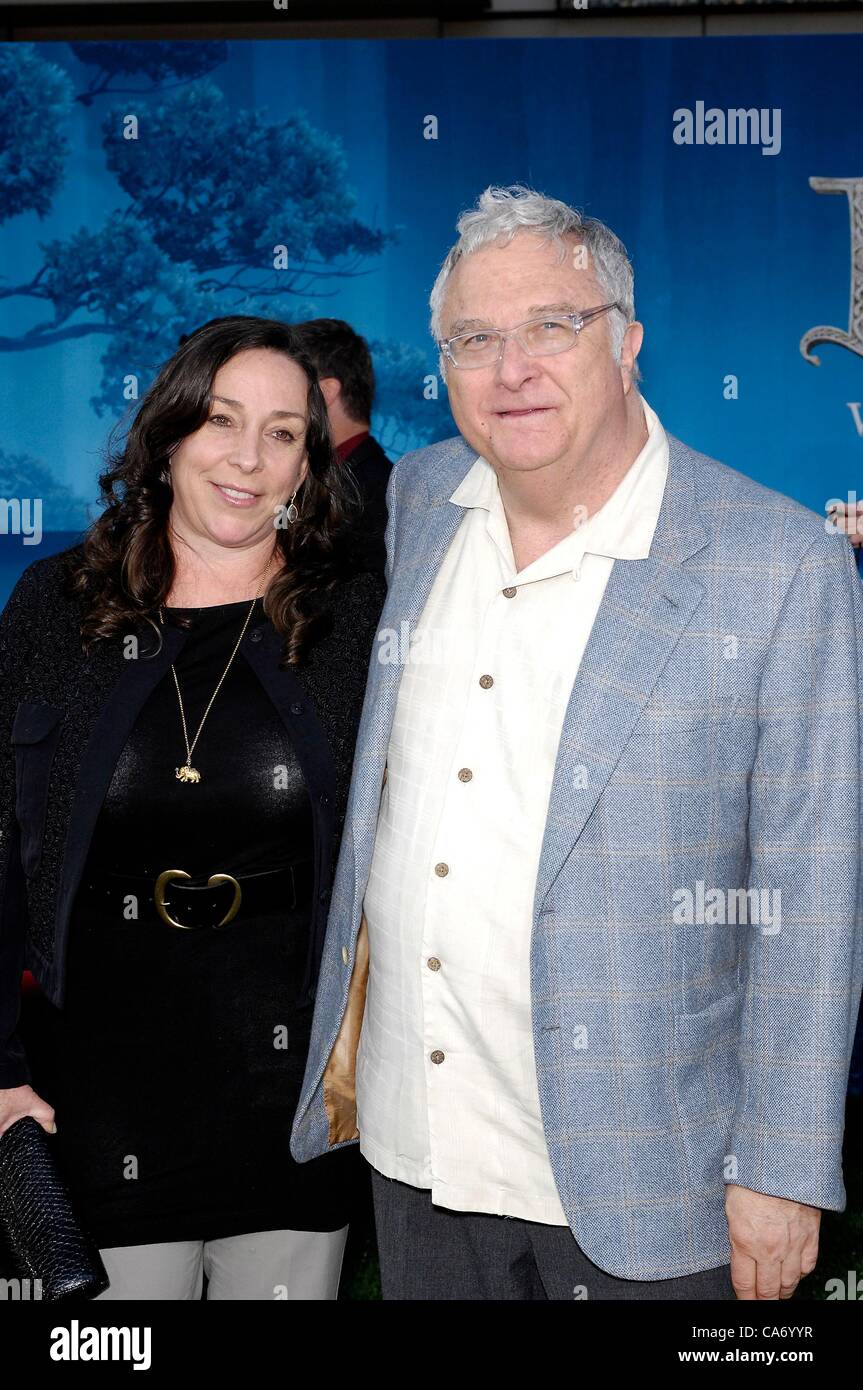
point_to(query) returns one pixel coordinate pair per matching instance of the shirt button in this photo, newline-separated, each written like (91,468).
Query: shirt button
(433,963)
(486,682)
(296,708)
(509,592)
(345,956)
(437,1057)
(255,636)
(441,870)
(464,774)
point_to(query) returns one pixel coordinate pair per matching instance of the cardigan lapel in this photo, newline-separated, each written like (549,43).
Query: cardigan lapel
(124,684)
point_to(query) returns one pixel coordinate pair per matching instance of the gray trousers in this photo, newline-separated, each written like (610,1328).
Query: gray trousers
(264,1265)
(430,1252)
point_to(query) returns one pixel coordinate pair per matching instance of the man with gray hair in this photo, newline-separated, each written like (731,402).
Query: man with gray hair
(594,956)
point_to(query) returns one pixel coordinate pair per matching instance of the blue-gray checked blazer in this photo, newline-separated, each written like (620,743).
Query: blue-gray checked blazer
(711,742)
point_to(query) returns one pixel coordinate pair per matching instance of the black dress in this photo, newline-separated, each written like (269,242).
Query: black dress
(179,1055)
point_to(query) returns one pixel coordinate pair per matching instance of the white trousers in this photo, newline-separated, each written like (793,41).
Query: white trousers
(264,1265)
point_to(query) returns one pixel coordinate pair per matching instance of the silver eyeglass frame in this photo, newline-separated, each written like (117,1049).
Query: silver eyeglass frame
(578,322)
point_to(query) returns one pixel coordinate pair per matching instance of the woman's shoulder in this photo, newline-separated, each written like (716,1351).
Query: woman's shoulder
(365,587)
(44,581)
(40,622)
(356,593)
(345,616)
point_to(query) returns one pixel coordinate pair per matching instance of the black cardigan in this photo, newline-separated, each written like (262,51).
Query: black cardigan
(64,718)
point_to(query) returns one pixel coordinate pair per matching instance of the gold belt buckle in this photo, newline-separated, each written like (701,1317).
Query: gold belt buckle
(165,877)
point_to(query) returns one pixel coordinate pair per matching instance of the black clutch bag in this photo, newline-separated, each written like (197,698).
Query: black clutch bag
(44,1239)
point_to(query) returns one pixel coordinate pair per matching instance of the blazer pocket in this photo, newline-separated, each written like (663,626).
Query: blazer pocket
(715,1024)
(35,735)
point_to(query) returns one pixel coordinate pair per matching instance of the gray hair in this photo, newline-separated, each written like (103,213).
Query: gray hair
(501,212)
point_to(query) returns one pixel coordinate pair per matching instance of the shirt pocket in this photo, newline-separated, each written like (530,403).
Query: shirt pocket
(35,735)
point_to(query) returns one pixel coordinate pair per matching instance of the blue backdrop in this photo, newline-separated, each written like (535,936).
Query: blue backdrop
(144,187)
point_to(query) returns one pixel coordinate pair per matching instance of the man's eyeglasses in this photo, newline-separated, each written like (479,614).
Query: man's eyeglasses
(483,347)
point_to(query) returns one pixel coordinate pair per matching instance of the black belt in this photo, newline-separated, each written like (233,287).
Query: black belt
(194,906)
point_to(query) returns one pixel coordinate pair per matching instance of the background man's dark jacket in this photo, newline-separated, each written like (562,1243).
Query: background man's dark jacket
(371,468)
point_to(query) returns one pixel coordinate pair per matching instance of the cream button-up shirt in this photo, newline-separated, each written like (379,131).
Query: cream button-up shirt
(447,1095)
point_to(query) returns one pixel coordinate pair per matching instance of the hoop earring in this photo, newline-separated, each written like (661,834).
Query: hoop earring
(293,512)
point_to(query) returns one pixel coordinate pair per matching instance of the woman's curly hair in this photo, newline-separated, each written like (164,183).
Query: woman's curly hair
(124,568)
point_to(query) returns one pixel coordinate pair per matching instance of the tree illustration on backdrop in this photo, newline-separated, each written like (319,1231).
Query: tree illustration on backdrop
(206,192)
(134,69)
(204,195)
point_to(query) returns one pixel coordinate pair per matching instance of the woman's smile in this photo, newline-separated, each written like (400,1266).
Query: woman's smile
(236,497)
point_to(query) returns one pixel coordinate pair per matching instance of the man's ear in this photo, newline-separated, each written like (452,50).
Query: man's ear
(331,387)
(631,347)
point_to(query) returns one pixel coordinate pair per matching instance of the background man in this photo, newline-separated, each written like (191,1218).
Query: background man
(347,379)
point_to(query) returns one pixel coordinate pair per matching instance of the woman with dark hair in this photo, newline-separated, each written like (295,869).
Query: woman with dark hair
(180,700)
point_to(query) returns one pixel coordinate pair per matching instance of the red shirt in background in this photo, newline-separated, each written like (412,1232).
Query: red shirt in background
(347,446)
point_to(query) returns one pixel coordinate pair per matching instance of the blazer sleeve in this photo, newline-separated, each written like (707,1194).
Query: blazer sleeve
(803,980)
(17,627)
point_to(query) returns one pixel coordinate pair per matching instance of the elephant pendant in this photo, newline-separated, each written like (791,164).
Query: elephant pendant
(187,774)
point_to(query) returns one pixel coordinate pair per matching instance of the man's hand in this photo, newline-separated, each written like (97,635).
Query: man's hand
(774,1242)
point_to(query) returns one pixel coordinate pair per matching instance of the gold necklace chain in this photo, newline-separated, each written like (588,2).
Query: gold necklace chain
(187,773)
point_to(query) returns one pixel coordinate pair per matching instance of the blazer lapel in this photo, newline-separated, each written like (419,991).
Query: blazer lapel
(646,606)
(406,598)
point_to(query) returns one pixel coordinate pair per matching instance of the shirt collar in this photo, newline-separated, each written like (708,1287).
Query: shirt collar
(347,446)
(622,528)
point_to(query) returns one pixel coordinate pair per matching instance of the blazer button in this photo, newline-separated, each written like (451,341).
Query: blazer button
(296,708)
(509,592)
(437,1057)
(486,682)
(255,635)
(441,870)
